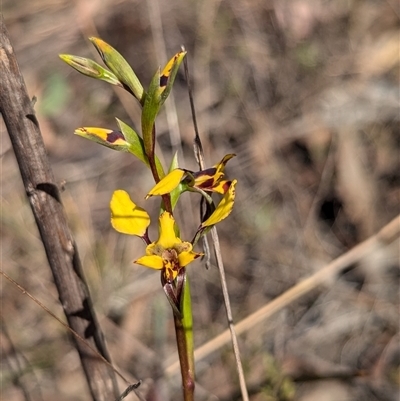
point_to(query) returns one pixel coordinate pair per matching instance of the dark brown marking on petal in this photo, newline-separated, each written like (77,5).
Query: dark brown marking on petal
(170,255)
(171,263)
(209,171)
(164,80)
(169,275)
(226,186)
(114,136)
(207,184)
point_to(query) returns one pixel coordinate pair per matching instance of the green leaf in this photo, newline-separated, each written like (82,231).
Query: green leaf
(187,322)
(90,68)
(136,146)
(159,89)
(174,163)
(151,107)
(120,67)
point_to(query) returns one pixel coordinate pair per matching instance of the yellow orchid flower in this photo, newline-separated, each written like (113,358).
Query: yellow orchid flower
(211,178)
(208,180)
(169,253)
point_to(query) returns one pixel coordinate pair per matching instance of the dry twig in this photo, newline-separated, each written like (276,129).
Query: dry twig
(44,198)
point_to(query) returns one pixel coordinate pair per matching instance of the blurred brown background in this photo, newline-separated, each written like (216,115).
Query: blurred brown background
(306,93)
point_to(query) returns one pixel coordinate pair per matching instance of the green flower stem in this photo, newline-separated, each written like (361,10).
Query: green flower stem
(153,167)
(187,372)
(150,153)
(184,335)
(186,306)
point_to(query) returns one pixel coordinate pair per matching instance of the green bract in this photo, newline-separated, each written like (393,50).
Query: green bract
(120,67)
(90,68)
(159,89)
(136,146)
(151,107)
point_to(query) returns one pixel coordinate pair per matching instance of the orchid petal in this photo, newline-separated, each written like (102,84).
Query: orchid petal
(167,184)
(167,238)
(151,261)
(222,187)
(221,165)
(126,216)
(223,209)
(188,257)
(106,137)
